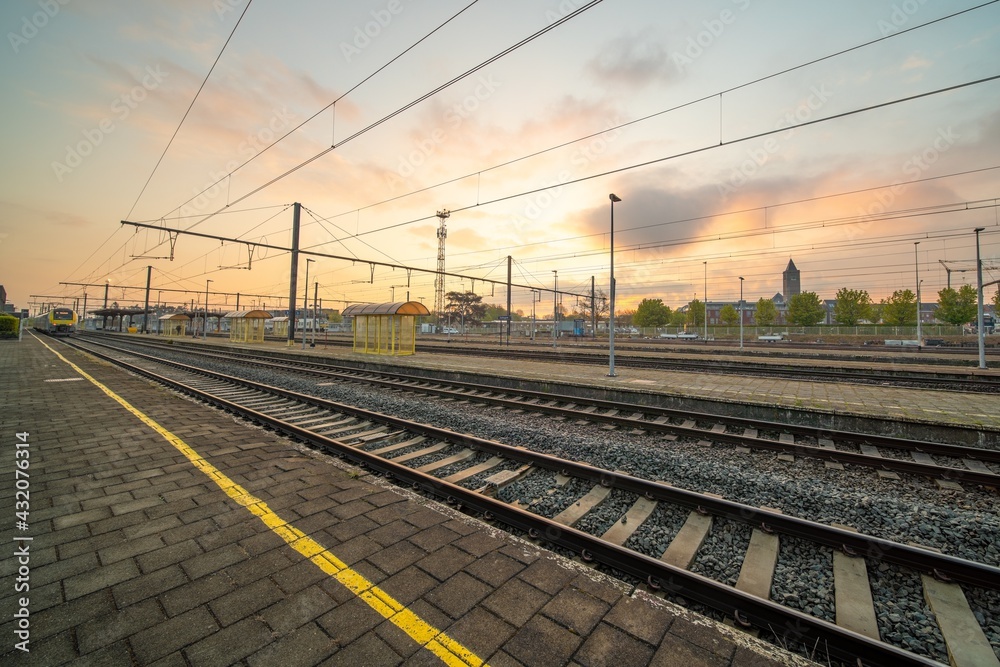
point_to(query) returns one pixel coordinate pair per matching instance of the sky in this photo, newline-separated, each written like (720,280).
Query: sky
(857,138)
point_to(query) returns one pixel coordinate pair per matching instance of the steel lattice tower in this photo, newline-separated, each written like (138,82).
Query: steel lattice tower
(442,234)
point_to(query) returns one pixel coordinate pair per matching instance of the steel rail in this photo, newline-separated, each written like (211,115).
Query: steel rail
(955,381)
(966,382)
(948,473)
(924,560)
(748,610)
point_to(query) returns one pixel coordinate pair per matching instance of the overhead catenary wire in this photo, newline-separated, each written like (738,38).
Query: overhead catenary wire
(476,68)
(190,106)
(661,112)
(876,40)
(400,110)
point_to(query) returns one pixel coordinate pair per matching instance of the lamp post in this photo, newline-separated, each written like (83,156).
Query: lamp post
(611,318)
(741,312)
(315,311)
(916,264)
(979,305)
(204,333)
(555,311)
(305,302)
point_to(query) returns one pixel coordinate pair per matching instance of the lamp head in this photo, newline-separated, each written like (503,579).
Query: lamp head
(613,197)
(979,229)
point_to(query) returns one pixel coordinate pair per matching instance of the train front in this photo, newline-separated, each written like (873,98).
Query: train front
(62,321)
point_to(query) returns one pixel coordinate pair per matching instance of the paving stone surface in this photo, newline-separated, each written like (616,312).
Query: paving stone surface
(137,558)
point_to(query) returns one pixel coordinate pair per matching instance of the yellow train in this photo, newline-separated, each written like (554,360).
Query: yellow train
(57,322)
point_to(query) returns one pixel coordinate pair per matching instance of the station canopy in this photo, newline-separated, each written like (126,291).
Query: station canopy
(398,308)
(248,315)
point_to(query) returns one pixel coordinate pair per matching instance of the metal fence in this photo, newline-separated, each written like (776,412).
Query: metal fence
(880,331)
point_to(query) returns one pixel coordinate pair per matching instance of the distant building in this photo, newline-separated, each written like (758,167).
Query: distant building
(791,283)
(3,297)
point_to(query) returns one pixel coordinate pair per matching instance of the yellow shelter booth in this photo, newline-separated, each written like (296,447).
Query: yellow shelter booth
(280,325)
(386,328)
(247,326)
(174,324)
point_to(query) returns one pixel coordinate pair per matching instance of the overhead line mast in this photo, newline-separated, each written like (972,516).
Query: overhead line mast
(442,234)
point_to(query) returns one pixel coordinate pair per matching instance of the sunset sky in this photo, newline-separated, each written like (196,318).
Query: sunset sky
(687,111)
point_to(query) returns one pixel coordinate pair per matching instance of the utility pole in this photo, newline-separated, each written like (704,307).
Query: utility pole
(305,302)
(293,281)
(706,301)
(555,308)
(979,302)
(509,315)
(315,296)
(593,310)
(916,265)
(204,334)
(145,308)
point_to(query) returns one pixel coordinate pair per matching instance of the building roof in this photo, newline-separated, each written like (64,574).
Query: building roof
(791,265)
(397,308)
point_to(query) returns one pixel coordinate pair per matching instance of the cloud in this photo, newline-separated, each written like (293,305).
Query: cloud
(915,62)
(633,60)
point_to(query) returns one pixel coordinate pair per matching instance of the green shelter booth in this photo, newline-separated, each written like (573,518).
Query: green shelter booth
(386,328)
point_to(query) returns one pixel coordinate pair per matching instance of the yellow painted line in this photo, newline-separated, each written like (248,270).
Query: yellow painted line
(450,652)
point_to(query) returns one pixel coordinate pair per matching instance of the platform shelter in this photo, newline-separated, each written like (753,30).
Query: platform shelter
(247,326)
(386,328)
(174,324)
(280,325)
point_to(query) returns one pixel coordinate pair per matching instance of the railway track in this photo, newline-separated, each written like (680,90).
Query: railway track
(475,473)
(949,465)
(957,380)
(885,372)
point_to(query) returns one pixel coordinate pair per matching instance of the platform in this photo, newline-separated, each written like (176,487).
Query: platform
(165,532)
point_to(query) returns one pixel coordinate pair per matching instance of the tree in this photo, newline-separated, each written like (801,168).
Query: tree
(805,310)
(996,303)
(467,305)
(494,311)
(651,313)
(601,304)
(900,309)
(678,318)
(695,313)
(877,311)
(957,306)
(767,312)
(729,315)
(853,305)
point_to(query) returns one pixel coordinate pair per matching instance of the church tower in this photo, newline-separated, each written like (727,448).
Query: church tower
(790,283)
